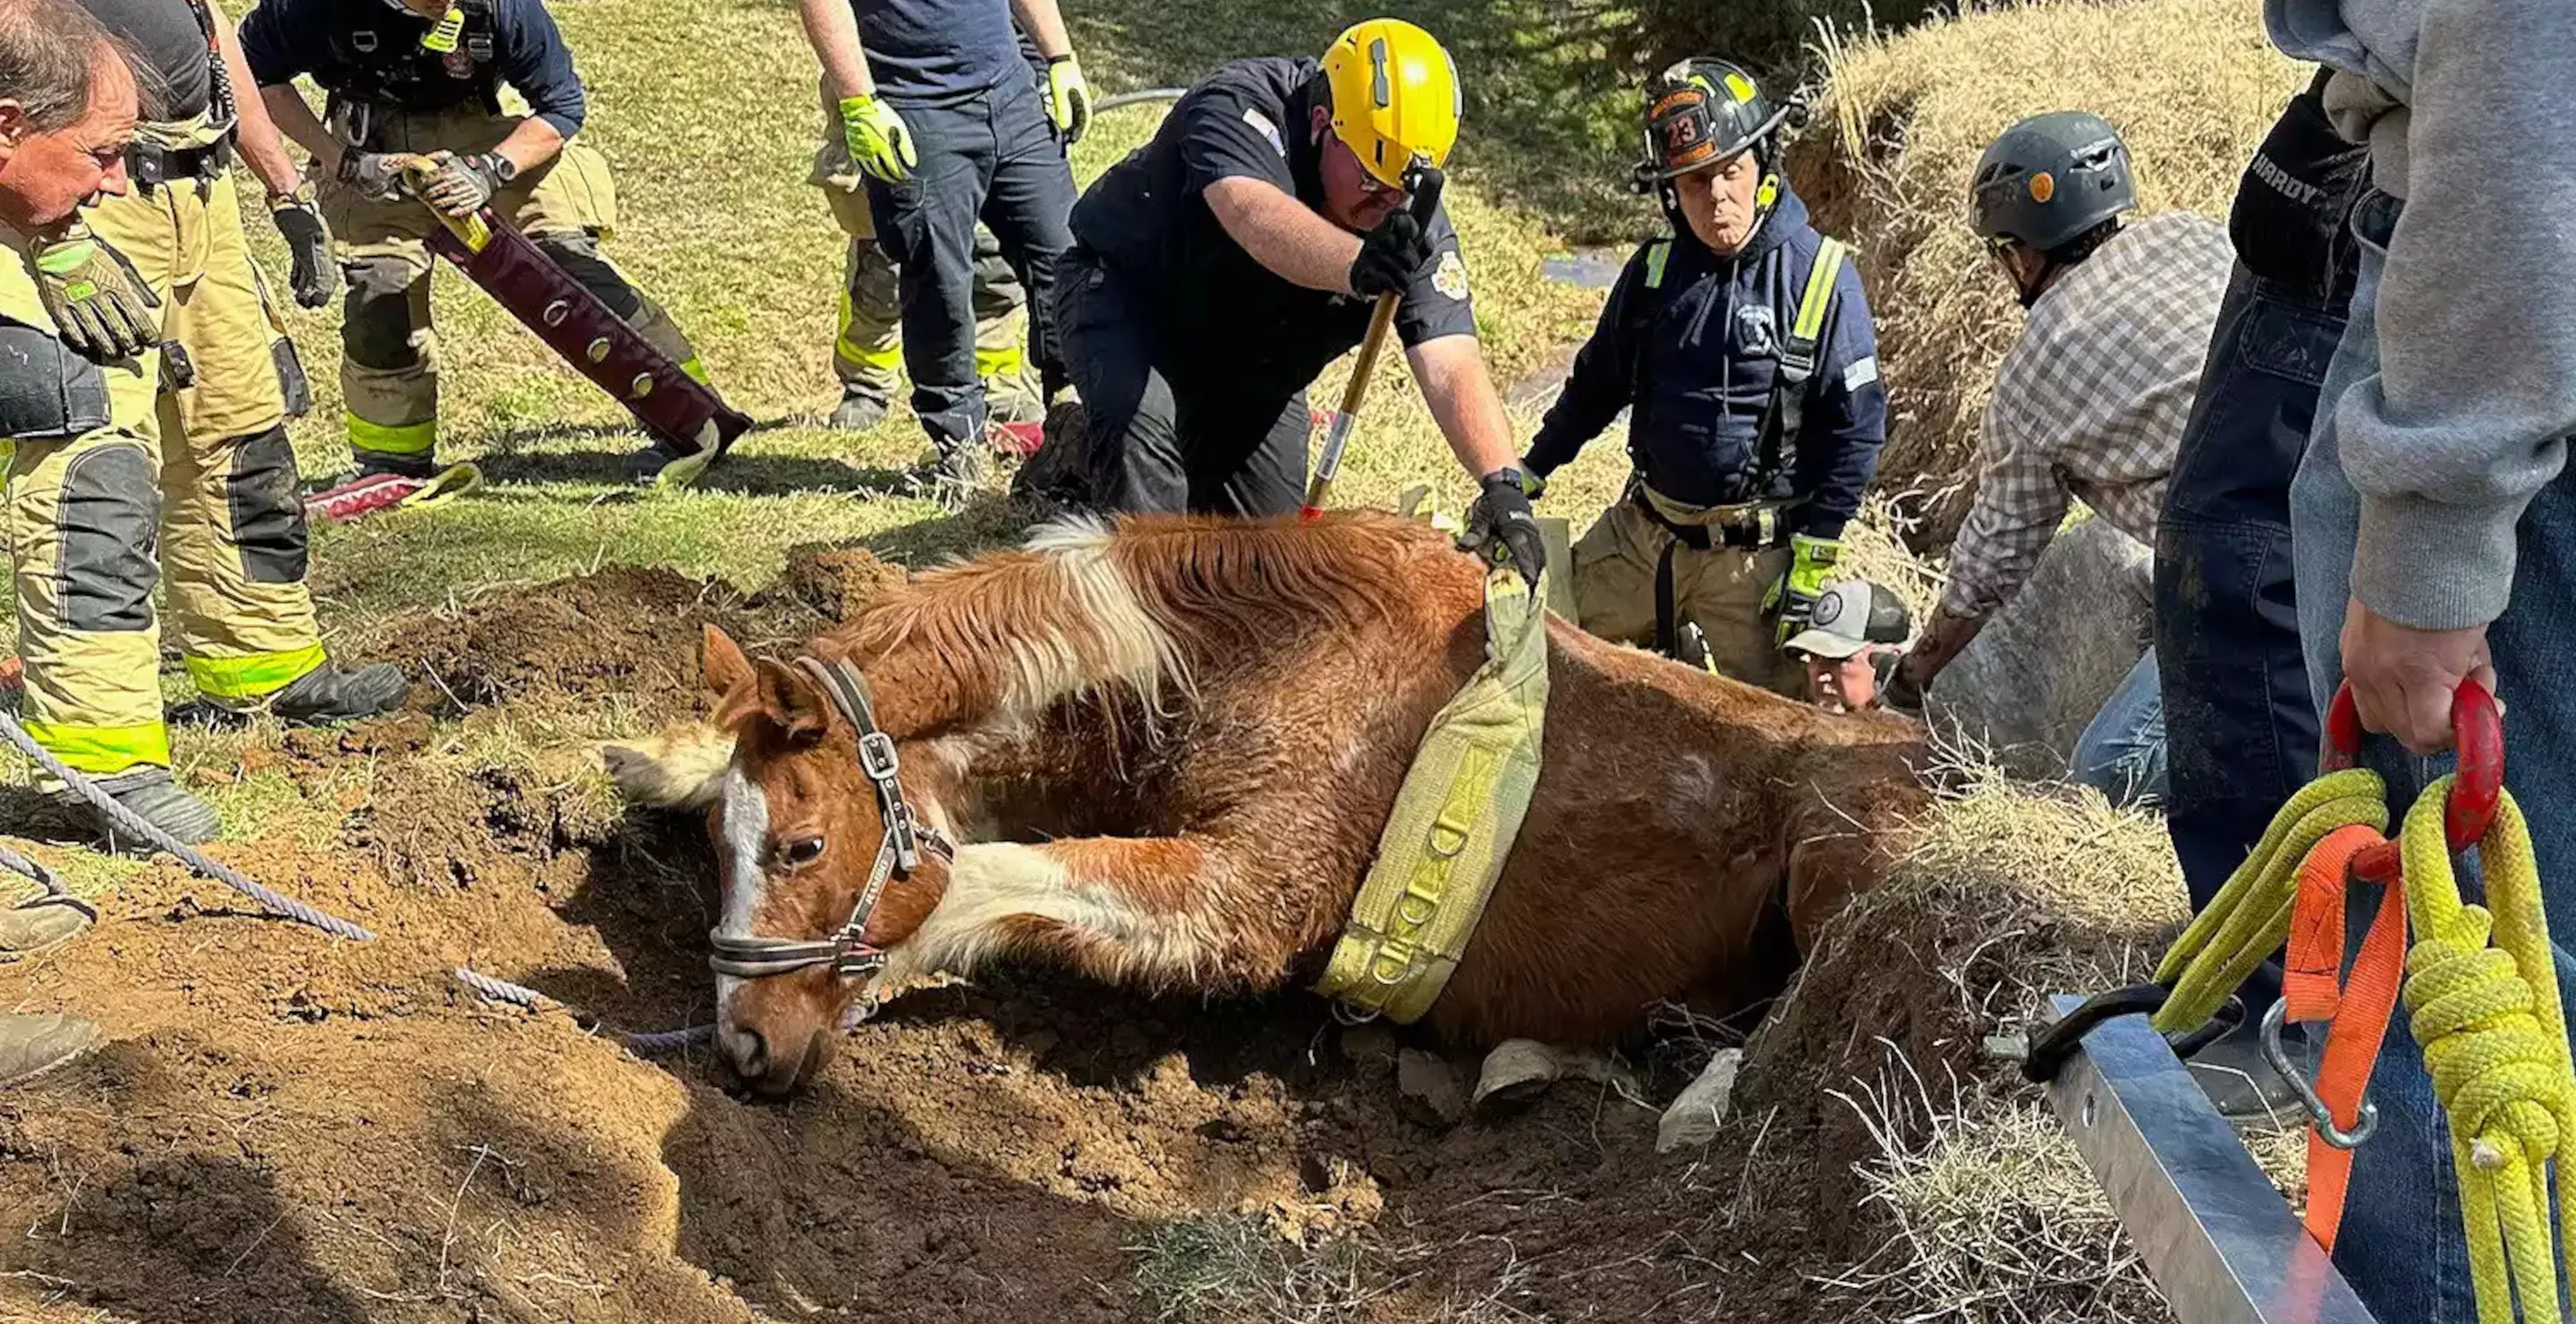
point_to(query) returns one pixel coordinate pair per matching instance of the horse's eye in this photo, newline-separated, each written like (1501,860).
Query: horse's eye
(803,850)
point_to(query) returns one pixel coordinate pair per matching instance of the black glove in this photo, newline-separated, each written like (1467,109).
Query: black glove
(464,183)
(1389,255)
(2288,221)
(308,244)
(1500,525)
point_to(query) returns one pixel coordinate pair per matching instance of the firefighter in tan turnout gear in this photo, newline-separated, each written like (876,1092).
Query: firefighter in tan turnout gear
(146,383)
(422,80)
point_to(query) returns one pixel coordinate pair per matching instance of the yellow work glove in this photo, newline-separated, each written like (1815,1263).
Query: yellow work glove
(1794,596)
(102,309)
(879,141)
(1068,97)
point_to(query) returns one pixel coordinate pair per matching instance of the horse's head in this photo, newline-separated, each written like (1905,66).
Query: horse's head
(825,856)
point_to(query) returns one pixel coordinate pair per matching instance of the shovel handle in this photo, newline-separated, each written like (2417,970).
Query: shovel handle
(1428,182)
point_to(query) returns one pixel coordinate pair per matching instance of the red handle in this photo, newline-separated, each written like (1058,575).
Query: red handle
(2477,737)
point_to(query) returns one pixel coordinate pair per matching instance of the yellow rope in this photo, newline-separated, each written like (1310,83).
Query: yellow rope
(2250,917)
(2495,1044)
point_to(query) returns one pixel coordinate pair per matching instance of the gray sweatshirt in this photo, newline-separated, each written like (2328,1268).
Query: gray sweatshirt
(2469,108)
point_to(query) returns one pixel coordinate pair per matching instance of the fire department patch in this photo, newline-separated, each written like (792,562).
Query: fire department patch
(1450,277)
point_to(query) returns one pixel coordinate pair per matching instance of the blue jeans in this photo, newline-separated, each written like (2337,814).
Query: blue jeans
(2242,732)
(2122,751)
(992,157)
(2402,1247)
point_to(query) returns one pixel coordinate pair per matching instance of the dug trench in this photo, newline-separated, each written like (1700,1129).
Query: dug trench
(286,1127)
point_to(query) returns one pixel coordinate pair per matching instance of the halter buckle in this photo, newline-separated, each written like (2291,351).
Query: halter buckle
(877,757)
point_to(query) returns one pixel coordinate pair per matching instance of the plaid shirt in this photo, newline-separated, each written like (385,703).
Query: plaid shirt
(2091,402)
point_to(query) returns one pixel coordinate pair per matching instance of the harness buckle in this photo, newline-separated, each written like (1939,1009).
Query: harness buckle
(877,757)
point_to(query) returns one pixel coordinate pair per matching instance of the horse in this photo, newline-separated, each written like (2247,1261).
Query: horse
(1160,752)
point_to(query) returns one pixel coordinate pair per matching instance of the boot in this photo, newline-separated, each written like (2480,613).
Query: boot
(667,467)
(372,463)
(953,480)
(31,1045)
(39,926)
(152,796)
(328,694)
(861,408)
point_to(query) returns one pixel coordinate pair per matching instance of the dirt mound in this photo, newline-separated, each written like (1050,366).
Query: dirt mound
(836,581)
(289,1128)
(2192,86)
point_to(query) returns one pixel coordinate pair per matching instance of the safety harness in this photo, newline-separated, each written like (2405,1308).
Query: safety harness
(460,48)
(1454,821)
(1757,524)
(847,952)
(2480,986)
(161,154)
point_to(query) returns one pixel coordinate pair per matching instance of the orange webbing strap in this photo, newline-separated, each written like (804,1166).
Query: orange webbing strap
(2313,989)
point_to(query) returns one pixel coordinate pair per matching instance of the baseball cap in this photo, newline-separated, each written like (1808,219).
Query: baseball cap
(1851,615)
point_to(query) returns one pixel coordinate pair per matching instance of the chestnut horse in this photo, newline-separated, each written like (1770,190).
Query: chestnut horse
(1164,752)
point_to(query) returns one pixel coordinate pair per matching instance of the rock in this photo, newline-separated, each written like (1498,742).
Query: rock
(1693,1118)
(1431,1082)
(1517,1071)
(2042,667)
(1364,1044)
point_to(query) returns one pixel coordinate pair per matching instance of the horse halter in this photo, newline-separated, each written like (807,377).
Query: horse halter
(898,853)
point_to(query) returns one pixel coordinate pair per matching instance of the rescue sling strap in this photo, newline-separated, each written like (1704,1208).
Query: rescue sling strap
(1454,821)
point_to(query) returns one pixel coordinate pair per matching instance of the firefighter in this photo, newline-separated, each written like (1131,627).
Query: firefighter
(938,109)
(1219,268)
(148,383)
(1742,346)
(414,79)
(869,347)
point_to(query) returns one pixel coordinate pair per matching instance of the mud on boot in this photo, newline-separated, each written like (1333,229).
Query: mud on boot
(953,478)
(329,694)
(150,794)
(31,1045)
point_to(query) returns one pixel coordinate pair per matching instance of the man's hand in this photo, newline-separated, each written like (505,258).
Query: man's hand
(1389,255)
(102,310)
(1500,525)
(2402,678)
(377,175)
(464,183)
(1904,689)
(308,244)
(879,141)
(1068,98)
(1794,596)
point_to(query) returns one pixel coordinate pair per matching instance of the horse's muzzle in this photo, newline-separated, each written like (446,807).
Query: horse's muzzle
(760,1064)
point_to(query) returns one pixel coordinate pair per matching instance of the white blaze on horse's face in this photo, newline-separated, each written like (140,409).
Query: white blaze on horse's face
(745,814)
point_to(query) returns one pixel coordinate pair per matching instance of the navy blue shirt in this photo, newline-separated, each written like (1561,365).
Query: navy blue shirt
(369,50)
(1225,317)
(165,35)
(938,52)
(1692,352)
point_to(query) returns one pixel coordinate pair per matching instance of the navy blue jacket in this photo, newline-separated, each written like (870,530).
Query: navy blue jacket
(369,50)
(1693,354)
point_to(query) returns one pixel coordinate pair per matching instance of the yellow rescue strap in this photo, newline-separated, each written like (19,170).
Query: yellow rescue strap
(2482,993)
(1454,822)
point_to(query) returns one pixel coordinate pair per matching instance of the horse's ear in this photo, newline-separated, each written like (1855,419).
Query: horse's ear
(721,663)
(792,701)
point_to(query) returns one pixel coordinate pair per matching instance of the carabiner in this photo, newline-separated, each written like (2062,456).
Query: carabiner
(2365,1120)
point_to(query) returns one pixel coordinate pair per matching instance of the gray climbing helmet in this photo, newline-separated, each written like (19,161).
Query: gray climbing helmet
(2051,178)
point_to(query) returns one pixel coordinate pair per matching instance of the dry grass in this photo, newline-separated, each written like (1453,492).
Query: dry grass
(2191,85)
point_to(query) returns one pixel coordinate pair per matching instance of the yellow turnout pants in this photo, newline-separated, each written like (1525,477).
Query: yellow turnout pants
(1721,589)
(388,352)
(119,479)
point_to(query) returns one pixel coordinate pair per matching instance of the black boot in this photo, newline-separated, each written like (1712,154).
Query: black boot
(328,694)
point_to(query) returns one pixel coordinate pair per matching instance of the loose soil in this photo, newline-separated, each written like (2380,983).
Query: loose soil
(285,1127)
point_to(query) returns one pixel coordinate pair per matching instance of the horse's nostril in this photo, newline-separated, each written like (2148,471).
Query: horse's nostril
(750,1053)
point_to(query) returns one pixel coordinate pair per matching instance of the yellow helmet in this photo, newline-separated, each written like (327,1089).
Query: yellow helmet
(1395,97)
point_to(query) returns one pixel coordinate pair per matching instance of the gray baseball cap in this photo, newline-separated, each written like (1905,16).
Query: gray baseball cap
(1851,615)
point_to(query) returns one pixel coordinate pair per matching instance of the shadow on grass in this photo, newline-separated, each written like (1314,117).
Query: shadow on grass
(738,473)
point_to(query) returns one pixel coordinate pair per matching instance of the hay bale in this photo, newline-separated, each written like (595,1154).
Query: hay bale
(2191,85)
